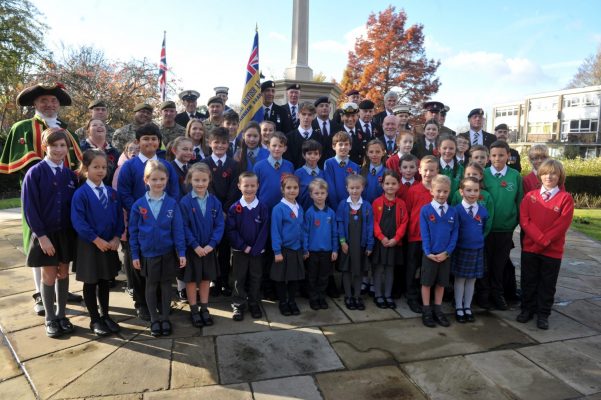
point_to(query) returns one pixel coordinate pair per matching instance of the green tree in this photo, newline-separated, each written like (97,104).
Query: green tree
(589,73)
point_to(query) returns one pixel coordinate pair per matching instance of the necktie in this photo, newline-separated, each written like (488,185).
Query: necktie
(476,138)
(373,171)
(431,147)
(447,169)
(441,208)
(185,169)
(367,130)
(192,116)
(408,184)
(57,170)
(313,173)
(276,165)
(219,163)
(251,157)
(266,113)
(293,113)
(343,164)
(498,174)
(306,135)
(390,145)
(470,211)
(324,130)
(102,197)
(197,153)
(546,195)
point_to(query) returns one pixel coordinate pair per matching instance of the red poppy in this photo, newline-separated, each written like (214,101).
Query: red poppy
(503,184)
(432,217)
(114,196)
(316,222)
(349,170)
(435,153)
(111,158)
(292,215)
(379,179)
(480,197)
(239,208)
(143,211)
(353,212)
(477,218)
(533,198)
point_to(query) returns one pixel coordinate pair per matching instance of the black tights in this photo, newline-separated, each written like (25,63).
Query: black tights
(287,291)
(89,296)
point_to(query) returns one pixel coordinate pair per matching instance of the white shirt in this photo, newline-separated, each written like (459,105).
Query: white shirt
(494,171)
(467,205)
(250,205)
(217,159)
(179,164)
(293,207)
(327,122)
(403,181)
(93,186)
(355,206)
(305,132)
(553,191)
(443,164)
(428,142)
(53,165)
(200,152)
(143,158)
(437,205)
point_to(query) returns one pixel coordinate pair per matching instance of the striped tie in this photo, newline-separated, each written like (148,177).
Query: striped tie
(476,138)
(102,197)
(293,114)
(546,195)
(441,208)
(470,211)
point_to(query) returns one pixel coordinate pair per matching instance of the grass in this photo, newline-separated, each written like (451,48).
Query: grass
(10,203)
(588,221)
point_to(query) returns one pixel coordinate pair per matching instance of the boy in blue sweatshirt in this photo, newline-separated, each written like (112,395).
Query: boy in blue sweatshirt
(321,241)
(337,168)
(270,171)
(439,230)
(311,150)
(247,228)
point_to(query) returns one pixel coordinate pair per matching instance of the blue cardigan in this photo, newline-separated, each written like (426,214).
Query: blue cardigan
(270,192)
(202,230)
(471,230)
(335,176)
(248,227)
(286,230)
(319,230)
(305,179)
(438,233)
(373,185)
(343,216)
(91,220)
(150,237)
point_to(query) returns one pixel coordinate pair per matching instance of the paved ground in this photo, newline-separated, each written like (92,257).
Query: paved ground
(334,354)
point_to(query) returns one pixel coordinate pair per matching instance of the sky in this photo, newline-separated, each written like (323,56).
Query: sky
(490,52)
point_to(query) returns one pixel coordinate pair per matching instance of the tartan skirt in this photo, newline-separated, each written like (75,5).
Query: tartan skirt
(468,263)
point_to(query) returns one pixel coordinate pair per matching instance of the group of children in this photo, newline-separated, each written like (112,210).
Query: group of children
(435,219)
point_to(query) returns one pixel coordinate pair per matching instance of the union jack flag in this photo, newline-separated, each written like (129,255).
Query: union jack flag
(163,70)
(251,109)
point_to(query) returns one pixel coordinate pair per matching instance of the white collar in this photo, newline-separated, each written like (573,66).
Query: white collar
(403,180)
(443,163)
(494,171)
(339,160)
(250,205)
(428,141)
(363,123)
(293,207)
(53,164)
(436,205)
(472,132)
(467,205)
(93,185)
(216,159)
(179,164)
(553,191)
(387,138)
(309,131)
(321,121)
(51,122)
(355,206)
(292,105)
(143,158)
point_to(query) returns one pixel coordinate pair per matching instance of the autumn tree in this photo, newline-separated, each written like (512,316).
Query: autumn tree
(589,73)
(391,56)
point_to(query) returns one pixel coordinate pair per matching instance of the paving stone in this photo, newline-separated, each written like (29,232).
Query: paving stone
(17,312)
(452,378)
(560,327)
(52,372)
(577,267)
(570,363)
(518,375)
(16,280)
(194,363)
(130,396)
(147,369)
(308,317)
(11,256)
(385,342)
(375,383)
(296,387)
(591,397)
(180,322)
(371,312)
(563,294)
(239,391)
(586,312)
(8,366)
(274,354)
(402,308)
(225,325)
(16,388)
(587,284)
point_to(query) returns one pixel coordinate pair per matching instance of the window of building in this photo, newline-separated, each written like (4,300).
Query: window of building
(580,126)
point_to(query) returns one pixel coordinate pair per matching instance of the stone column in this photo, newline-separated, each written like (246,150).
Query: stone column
(299,60)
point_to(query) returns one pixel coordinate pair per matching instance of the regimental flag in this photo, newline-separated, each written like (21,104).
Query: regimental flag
(251,109)
(163,70)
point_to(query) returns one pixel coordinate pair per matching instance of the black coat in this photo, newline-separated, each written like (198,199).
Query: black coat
(280,118)
(328,151)
(295,143)
(183,118)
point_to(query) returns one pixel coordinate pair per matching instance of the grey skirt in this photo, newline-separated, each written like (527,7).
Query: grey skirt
(90,264)
(291,269)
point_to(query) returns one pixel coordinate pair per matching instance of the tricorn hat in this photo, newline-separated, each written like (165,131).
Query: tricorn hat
(57,89)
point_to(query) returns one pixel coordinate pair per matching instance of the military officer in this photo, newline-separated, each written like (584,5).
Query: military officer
(215,105)
(189,99)
(273,112)
(442,117)
(142,115)
(403,112)
(291,107)
(98,110)
(223,92)
(169,128)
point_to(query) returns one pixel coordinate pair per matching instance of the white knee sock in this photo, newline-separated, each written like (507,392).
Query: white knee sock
(37,278)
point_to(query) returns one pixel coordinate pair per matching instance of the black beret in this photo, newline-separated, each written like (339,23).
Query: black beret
(475,111)
(215,99)
(267,85)
(320,100)
(366,105)
(294,86)
(501,126)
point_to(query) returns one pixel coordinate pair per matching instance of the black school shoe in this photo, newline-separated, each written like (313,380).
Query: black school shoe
(66,325)
(53,329)
(415,306)
(542,323)
(226,291)
(142,313)
(440,317)
(390,303)
(460,316)
(112,326)
(350,304)
(196,320)
(427,318)
(524,316)
(99,328)
(314,304)
(469,315)
(166,328)
(499,303)
(155,329)
(255,311)
(207,320)
(182,296)
(323,304)
(285,309)
(238,314)
(74,298)
(294,310)
(380,302)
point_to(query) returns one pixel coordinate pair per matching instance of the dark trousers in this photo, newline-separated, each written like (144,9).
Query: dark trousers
(538,280)
(498,246)
(319,266)
(135,280)
(247,271)
(223,258)
(414,263)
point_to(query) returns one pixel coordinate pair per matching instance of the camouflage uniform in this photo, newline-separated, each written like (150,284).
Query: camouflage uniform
(209,125)
(171,133)
(81,133)
(123,135)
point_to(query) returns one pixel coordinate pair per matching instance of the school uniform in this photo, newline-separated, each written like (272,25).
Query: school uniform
(296,138)
(545,217)
(373,182)
(484,200)
(247,225)
(320,235)
(468,259)
(356,227)
(112,158)
(404,186)
(96,215)
(203,226)
(131,184)
(287,240)
(198,154)
(181,170)
(453,170)
(327,128)
(335,172)
(424,147)
(269,174)
(253,156)
(439,231)
(46,196)
(305,176)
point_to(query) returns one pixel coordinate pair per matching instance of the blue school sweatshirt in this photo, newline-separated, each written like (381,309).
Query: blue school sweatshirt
(202,230)
(286,229)
(305,179)
(343,215)
(373,186)
(270,192)
(320,230)
(246,227)
(91,220)
(471,229)
(438,233)
(335,176)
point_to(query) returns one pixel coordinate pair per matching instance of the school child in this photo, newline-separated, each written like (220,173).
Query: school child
(179,152)
(250,151)
(203,227)
(247,227)
(267,130)
(467,262)
(287,243)
(356,235)
(46,195)
(131,186)
(373,170)
(157,242)
(97,217)
(408,174)
(337,168)
(231,122)
(463,143)
(320,235)
(304,132)
(545,217)
(537,154)
(426,145)
(418,196)
(224,185)
(479,154)
(448,165)
(130,150)
(505,186)
(404,146)
(439,230)
(390,225)
(195,130)
(270,171)
(312,151)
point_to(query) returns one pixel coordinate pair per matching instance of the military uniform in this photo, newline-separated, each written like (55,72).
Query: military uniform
(123,135)
(171,133)
(81,133)
(447,131)
(209,125)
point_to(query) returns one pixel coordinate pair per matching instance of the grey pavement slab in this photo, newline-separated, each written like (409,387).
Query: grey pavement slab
(146,365)
(452,378)
(16,388)
(180,323)
(578,267)
(374,383)
(129,396)
(560,327)
(584,311)
(563,294)
(11,257)
(295,387)
(16,280)
(385,342)
(371,313)
(274,354)
(193,363)
(571,362)
(225,325)
(587,284)
(307,317)
(8,365)
(518,375)
(239,391)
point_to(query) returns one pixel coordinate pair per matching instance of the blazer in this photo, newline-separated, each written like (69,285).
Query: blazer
(295,143)
(280,118)
(328,151)
(183,118)
(286,108)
